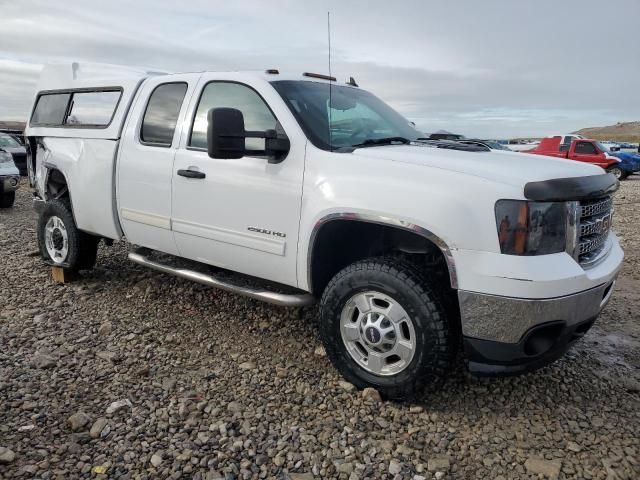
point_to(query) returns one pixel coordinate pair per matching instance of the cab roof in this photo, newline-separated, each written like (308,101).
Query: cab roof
(78,75)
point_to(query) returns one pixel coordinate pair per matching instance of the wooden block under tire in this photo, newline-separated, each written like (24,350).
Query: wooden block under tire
(60,275)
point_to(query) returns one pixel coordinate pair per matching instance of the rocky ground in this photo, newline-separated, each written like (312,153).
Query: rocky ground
(127,373)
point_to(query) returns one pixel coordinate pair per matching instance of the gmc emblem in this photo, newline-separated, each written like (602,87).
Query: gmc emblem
(605,224)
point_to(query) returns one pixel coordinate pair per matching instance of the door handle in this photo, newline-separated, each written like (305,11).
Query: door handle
(191,174)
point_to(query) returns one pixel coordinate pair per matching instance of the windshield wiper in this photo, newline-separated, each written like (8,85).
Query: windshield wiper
(370,142)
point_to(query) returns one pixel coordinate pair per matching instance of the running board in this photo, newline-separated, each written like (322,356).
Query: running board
(282,299)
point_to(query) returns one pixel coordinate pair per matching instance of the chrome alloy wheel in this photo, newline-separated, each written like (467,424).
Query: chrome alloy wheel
(56,240)
(378,333)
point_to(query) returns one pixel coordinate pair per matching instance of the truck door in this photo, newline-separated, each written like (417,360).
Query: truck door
(586,151)
(145,165)
(240,214)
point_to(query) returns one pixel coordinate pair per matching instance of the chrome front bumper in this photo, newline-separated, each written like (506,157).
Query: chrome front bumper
(9,183)
(507,320)
(510,336)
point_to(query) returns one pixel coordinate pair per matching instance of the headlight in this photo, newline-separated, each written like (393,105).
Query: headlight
(6,157)
(531,228)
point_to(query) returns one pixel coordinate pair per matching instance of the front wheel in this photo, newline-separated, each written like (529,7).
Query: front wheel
(617,172)
(383,326)
(7,199)
(61,243)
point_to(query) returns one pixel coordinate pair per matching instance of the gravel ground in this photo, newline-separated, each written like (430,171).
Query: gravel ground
(128,373)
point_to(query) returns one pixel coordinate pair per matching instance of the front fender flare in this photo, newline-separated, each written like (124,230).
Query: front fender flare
(383,220)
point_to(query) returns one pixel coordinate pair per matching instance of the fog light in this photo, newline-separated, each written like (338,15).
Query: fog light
(542,339)
(14,182)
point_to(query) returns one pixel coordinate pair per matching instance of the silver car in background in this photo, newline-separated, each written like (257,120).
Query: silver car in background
(9,179)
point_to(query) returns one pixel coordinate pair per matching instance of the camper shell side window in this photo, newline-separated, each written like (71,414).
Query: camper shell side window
(78,108)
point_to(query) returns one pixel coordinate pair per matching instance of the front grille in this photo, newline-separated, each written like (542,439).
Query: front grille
(595,224)
(595,218)
(595,207)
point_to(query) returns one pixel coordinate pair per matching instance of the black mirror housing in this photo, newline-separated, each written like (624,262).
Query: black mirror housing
(225,133)
(226,137)
(276,146)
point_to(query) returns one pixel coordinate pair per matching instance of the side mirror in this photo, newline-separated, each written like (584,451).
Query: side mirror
(226,137)
(225,133)
(276,146)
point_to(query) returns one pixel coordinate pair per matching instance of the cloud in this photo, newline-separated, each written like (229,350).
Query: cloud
(493,68)
(17,87)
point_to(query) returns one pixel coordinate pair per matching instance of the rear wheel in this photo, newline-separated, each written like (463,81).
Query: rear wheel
(61,243)
(384,327)
(7,199)
(617,172)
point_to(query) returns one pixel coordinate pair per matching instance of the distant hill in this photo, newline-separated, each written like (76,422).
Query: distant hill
(621,131)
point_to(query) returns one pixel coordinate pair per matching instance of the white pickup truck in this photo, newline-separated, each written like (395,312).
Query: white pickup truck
(313,190)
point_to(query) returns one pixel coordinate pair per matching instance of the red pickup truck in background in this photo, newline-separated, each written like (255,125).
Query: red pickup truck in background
(581,150)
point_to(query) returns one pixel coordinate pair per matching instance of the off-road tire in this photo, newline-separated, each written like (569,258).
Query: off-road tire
(435,345)
(82,247)
(7,199)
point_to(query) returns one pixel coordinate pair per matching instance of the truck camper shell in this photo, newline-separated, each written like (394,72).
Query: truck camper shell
(68,80)
(76,120)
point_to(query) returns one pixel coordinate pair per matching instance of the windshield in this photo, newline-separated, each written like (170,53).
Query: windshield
(603,148)
(7,141)
(357,117)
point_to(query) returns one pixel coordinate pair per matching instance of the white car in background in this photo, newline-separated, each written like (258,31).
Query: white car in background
(521,147)
(9,180)
(490,144)
(612,146)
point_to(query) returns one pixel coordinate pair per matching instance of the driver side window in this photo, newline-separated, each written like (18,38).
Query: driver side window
(257,115)
(585,148)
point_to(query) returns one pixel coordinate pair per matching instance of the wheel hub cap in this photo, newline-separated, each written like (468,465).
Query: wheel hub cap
(56,240)
(372,336)
(377,333)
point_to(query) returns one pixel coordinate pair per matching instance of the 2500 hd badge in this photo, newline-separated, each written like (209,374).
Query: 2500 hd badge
(266,231)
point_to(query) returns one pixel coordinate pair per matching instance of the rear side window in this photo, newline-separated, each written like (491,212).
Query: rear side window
(92,108)
(50,109)
(586,148)
(161,115)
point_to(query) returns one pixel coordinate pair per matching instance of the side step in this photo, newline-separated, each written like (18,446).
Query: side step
(282,299)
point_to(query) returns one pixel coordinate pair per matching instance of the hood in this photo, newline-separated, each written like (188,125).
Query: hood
(511,168)
(17,150)
(627,156)
(8,168)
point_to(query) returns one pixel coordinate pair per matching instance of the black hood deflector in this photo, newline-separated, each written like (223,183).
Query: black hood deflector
(571,189)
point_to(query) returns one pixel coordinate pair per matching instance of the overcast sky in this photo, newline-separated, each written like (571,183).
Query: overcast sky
(492,68)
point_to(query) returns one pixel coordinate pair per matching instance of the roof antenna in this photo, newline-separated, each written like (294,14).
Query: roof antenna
(329,39)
